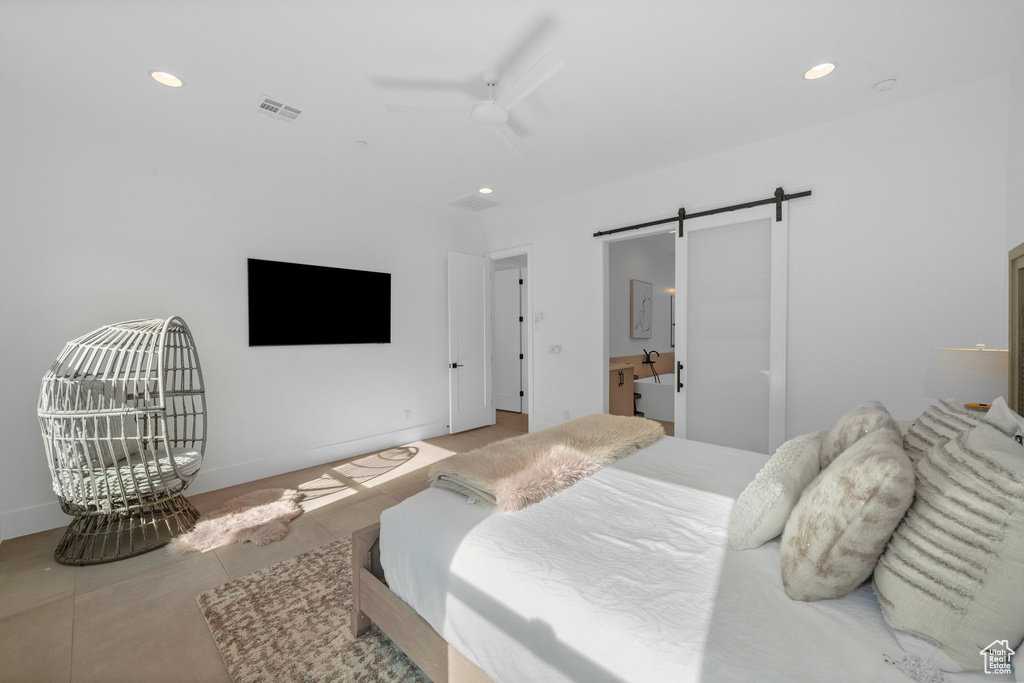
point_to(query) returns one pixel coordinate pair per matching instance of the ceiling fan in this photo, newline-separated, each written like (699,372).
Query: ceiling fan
(493,112)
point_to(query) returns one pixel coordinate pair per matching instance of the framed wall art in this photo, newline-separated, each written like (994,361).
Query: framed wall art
(641,300)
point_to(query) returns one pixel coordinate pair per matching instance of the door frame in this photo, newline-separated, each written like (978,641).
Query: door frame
(606,242)
(527,251)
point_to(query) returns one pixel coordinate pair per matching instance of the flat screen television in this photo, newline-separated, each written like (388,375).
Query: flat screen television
(294,304)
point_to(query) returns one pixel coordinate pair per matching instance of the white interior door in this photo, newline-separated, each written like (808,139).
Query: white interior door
(731,329)
(508,350)
(470,341)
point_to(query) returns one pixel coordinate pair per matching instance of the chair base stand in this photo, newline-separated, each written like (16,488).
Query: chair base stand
(98,538)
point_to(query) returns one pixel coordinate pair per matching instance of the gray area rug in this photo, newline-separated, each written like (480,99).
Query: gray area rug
(290,622)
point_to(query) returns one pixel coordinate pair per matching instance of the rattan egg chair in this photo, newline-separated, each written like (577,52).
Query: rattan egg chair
(123,416)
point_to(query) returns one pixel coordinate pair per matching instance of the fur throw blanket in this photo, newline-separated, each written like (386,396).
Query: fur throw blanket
(260,517)
(516,472)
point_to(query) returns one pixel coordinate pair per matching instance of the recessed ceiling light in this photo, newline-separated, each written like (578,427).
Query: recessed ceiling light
(819,71)
(882,86)
(485,190)
(361,143)
(165,78)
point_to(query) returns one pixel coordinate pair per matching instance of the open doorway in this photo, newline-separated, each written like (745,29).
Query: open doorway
(640,330)
(512,334)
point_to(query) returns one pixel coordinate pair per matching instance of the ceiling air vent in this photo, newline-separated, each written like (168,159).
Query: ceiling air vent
(473,202)
(276,110)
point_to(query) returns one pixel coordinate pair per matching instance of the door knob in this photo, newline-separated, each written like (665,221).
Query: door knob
(455,365)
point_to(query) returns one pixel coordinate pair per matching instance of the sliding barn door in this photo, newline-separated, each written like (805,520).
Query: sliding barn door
(731,329)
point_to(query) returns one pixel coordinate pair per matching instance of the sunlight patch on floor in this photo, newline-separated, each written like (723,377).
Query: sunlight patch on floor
(324,490)
(348,478)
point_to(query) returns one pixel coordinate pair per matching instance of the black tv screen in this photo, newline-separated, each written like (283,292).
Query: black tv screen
(295,304)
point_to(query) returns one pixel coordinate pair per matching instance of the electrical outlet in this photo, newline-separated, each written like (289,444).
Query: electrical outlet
(566,415)
(408,414)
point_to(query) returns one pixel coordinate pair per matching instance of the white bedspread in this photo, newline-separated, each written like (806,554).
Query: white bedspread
(626,576)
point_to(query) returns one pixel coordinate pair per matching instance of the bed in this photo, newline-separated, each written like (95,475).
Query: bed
(627,575)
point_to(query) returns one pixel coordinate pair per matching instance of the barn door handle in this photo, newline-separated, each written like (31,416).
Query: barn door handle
(679,375)
(455,365)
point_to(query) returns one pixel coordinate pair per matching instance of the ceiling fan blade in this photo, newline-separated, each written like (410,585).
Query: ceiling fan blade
(471,86)
(512,140)
(547,67)
(530,41)
(418,109)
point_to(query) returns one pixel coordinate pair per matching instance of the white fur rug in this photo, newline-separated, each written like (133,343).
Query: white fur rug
(523,470)
(260,518)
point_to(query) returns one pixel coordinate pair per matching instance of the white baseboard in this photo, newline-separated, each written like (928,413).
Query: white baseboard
(35,518)
(32,519)
(213,478)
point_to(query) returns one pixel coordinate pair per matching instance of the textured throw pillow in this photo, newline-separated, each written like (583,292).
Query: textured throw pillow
(853,425)
(838,530)
(761,511)
(950,581)
(1002,417)
(941,422)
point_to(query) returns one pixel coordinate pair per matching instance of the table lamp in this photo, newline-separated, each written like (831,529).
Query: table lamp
(967,375)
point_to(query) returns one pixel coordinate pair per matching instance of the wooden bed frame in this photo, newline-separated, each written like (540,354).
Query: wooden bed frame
(374,603)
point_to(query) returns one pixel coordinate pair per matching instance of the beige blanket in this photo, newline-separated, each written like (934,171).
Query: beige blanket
(516,472)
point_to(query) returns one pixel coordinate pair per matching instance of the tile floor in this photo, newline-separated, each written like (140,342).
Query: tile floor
(137,619)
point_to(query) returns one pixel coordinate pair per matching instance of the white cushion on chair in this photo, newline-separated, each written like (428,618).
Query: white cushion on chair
(102,483)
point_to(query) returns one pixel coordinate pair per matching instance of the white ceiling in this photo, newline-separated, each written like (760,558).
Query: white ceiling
(647,83)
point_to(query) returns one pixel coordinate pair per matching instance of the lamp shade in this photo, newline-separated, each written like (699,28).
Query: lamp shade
(967,375)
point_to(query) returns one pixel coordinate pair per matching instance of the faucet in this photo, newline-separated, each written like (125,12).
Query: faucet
(647,361)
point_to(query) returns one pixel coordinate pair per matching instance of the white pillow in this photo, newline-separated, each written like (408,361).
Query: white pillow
(1002,417)
(950,581)
(853,425)
(839,529)
(761,511)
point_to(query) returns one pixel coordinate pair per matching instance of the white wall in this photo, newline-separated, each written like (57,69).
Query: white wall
(639,259)
(901,248)
(1015,163)
(102,222)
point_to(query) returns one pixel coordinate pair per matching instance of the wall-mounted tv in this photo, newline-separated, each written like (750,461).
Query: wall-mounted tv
(296,304)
